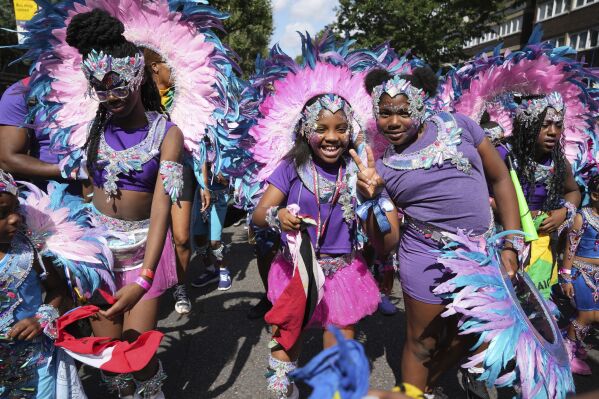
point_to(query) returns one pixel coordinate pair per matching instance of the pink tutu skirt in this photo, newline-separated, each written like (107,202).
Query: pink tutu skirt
(350,293)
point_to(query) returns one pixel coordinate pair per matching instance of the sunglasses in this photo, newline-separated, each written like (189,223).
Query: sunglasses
(104,95)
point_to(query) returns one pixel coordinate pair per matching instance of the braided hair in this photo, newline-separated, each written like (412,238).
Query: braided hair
(523,148)
(98,30)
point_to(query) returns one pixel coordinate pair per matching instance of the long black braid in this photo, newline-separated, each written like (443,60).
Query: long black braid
(524,145)
(100,31)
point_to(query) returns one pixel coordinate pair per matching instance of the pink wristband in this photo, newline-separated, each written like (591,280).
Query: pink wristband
(565,271)
(142,282)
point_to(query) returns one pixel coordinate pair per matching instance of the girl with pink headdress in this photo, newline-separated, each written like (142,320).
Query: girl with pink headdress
(309,120)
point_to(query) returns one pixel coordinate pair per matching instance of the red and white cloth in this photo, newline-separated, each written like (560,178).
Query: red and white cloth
(107,354)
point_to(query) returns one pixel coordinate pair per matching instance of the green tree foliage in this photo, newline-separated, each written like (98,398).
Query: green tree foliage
(435,30)
(248,29)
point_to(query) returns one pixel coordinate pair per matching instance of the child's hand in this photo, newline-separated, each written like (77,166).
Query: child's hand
(509,260)
(553,221)
(206,198)
(126,298)
(289,222)
(25,329)
(567,289)
(369,184)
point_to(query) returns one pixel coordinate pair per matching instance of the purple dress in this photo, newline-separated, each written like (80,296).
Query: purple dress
(350,293)
(449,197)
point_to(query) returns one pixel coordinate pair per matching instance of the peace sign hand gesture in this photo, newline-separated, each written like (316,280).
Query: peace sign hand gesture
(369,183)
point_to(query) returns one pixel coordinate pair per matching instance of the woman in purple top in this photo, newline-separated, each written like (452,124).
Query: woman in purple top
(434,170)
(133,156)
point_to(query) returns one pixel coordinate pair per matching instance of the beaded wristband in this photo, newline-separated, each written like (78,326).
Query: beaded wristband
(46,316)
(149,273)
(564,280)
(143,283)
(570,213)
(272,218)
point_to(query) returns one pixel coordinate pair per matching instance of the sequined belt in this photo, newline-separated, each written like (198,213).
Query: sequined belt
(329,264)
(119,225)
(590,275)
(437,234)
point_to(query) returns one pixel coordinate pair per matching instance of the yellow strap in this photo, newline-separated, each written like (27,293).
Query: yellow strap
(409,390)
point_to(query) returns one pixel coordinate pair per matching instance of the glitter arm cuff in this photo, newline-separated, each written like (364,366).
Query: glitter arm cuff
(571,212)
(46,316)
(172,179)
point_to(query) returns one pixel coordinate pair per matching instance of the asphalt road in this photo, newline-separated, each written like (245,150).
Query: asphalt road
(216,352)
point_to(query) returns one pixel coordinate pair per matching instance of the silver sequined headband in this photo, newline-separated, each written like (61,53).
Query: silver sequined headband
(7,184)
(530,110)
(329,102)
(396,86)
(131,69)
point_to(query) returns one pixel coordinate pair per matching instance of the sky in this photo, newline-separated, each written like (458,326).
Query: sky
(299,15)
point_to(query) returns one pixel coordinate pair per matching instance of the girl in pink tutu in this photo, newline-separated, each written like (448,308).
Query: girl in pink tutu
(312,189)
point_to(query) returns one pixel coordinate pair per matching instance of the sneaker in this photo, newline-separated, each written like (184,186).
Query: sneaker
(473,387)
(386,307)
(182,302)
(209,277)
(436,393)
(224,282)
(260,309)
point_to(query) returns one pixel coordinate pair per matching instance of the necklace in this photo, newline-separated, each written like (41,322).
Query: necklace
(543,173)
(116,162)
(444,148)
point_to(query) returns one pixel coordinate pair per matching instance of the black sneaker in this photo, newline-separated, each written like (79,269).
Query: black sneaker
(260,309)
(182,302)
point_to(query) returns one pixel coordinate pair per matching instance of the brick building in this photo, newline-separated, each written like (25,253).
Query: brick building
(572,23)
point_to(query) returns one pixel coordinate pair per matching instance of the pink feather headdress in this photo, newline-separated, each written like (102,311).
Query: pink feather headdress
(178,31)
(488,83)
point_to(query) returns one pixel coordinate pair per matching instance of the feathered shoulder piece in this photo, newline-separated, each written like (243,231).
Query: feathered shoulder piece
(59,227)
(279,91)
(204,99)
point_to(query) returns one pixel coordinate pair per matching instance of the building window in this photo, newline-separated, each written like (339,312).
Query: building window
(582,3)
(551,9)
(557,42)
(585,40)
(507,28)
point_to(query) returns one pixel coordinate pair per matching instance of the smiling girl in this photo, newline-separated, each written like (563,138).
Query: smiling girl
(314,175)
(434,170)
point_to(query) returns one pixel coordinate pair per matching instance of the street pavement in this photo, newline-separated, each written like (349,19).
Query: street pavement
(216,352)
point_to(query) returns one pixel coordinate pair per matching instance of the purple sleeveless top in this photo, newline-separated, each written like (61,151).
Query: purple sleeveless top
(537,194)
(337,237)
(117,140)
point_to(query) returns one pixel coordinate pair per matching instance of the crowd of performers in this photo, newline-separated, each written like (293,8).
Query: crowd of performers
(478,189)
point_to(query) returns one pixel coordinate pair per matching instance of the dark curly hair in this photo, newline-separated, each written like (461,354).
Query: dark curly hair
(98,30)
(523,148)
(422,78)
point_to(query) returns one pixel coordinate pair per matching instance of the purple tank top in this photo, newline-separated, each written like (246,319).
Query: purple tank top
(443,196)
(142,177)
(337,237)
(535,195)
